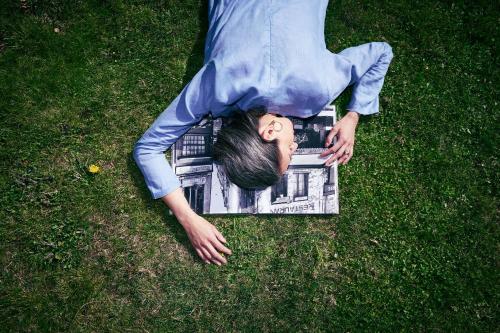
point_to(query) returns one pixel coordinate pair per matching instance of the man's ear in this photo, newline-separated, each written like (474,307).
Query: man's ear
(269,133)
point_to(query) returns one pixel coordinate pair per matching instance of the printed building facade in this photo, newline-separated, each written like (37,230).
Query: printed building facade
(193,165)
(307,187)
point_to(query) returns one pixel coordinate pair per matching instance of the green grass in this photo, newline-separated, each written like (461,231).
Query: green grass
(414,249)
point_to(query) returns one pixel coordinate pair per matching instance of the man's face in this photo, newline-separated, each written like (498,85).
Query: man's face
(274,126)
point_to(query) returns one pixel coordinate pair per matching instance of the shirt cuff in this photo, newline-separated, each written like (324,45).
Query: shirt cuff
(159,193)
(364,109)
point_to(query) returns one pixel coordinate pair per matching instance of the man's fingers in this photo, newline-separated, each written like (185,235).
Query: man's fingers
(336,155)
(206,253)
(215,255)
(333,149)
(349,155)
(329,161)
(219,236)
(221,248)
(202,256)
(346,156)
(217,262)
(331,135)
(343,159)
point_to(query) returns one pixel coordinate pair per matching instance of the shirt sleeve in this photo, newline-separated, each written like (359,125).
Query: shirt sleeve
(368,65)
(186,110)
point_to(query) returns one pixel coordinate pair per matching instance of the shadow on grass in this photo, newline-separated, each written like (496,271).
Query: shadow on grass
(195,60)
(194,63)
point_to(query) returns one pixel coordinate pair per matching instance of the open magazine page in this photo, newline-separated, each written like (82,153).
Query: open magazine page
(307,187)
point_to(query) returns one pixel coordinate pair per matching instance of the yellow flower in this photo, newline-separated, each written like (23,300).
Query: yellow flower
(94,168)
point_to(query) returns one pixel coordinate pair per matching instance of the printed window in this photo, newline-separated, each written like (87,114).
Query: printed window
(279,191)
(329,186)
(195,146)
(195,195)
(301,185)
(247,198)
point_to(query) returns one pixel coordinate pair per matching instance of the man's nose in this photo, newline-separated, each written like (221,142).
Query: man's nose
(295,145)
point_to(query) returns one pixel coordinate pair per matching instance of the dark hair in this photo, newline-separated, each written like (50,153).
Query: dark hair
(248,160)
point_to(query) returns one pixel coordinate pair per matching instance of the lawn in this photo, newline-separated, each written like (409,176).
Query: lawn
(415,247)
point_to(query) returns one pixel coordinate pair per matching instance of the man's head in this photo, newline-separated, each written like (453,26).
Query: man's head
(255,148)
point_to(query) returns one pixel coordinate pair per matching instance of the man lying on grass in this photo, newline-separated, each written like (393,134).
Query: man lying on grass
(263,60)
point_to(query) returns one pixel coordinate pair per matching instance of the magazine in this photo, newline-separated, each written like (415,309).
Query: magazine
(307,187)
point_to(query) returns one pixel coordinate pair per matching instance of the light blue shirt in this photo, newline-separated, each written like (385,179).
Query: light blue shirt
(268,53)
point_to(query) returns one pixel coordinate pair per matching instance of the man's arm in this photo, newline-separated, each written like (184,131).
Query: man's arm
(185,111)
(364,67)
(369,64)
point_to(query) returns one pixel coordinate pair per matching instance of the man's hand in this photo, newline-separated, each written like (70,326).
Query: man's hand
(206,239)
(343,149)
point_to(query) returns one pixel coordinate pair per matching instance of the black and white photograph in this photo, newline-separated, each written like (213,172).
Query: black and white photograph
(307,187)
